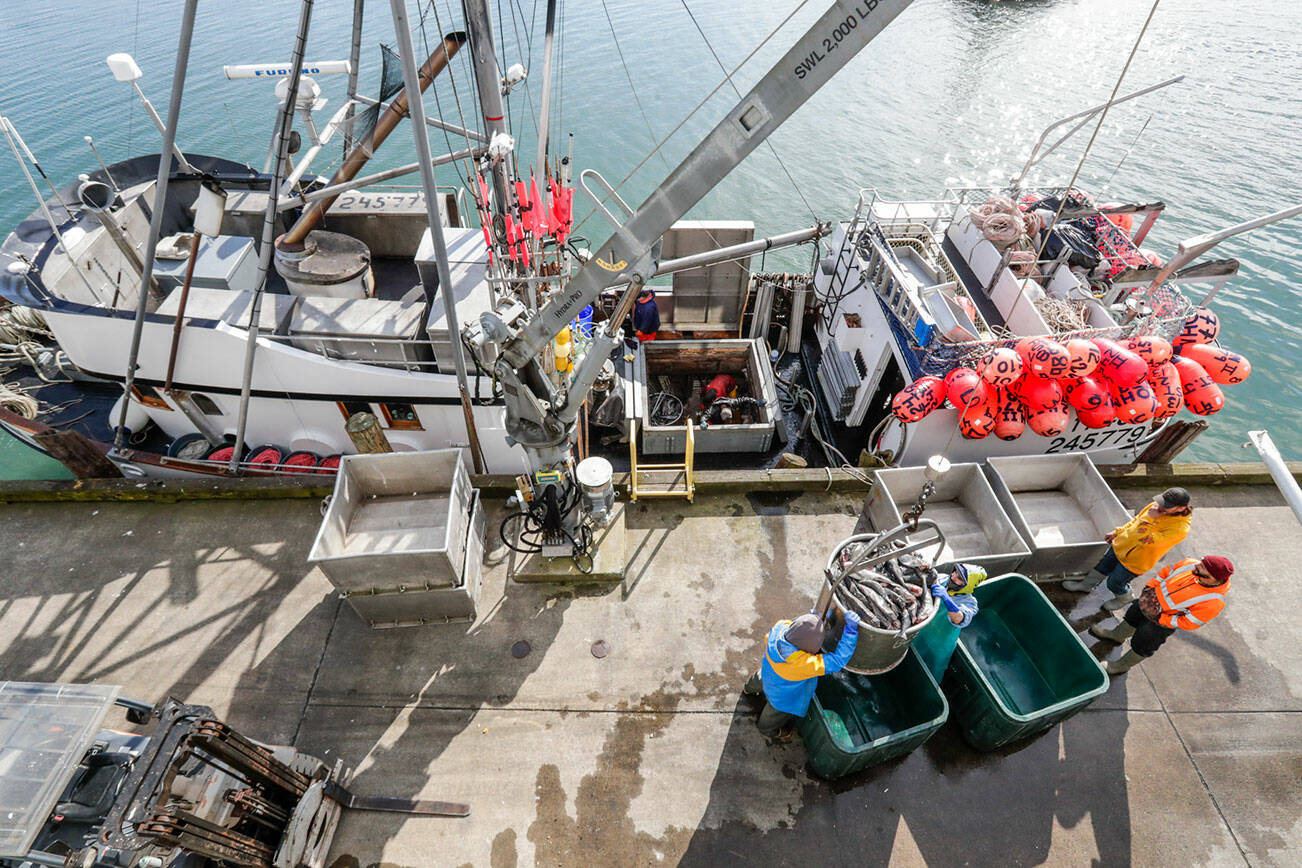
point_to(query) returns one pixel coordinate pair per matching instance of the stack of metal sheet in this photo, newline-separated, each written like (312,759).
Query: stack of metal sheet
(839,379)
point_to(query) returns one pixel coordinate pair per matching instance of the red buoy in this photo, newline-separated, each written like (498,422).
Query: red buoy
(1165,381)
(1119,364)
(1223,366)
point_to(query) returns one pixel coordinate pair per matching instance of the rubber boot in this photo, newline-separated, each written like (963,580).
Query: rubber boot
(1118,634)
(1088,583)
(1123,663)
(1120,601)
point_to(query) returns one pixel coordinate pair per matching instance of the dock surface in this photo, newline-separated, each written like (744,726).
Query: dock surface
(648,755)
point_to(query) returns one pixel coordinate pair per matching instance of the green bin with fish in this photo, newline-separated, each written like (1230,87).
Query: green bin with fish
(1019,667)
(857,721)
(886,579)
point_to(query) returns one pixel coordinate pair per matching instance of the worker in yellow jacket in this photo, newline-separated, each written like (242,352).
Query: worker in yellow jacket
(1183,596)
(1138,545)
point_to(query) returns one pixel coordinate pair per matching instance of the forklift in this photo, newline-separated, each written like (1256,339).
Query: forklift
(190,793)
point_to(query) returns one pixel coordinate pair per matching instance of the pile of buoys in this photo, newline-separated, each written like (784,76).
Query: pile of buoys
(1038,383)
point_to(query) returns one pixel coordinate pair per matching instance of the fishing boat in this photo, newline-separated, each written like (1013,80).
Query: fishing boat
(175,318)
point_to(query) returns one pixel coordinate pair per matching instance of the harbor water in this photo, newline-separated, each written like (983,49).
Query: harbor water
(954,93)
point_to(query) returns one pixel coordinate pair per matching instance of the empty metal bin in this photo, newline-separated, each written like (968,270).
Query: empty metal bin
(1061,506)
(976,528)
(400,524)
(409,606)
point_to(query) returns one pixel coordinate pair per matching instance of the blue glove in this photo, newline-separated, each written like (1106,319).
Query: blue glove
(852,620)
(938,591)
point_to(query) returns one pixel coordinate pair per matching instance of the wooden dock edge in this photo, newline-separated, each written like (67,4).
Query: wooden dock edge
(501,485)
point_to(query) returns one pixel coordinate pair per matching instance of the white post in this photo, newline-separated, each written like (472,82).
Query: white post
(1279,471)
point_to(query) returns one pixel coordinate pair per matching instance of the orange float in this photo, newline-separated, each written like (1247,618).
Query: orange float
(1224,367)
(1083,356)
(1165,381)
(1119,364)
(1202,327)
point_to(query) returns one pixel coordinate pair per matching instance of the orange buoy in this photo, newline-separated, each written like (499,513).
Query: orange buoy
(1165,381)
(1087,393)
(1202,327)
(1050,421)
(1224,367)
(1000,367)
(1201,395)
(1083,357)
(1135,404)
(1038,393)
(917,399)
(1010,417)
(1097,417)
(1048,358)
(977,421)
(964,387)
(1119,364)
(1152,349)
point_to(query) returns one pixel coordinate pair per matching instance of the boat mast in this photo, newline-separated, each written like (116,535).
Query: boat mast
(281,145)
(544,118)
(156,219)
(416,106)
(488,81)
(354,58)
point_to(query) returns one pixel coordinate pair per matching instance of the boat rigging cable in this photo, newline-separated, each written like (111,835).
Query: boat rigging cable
(637,99)
(692,113)
(768,142)
(468,163)
(1116,88)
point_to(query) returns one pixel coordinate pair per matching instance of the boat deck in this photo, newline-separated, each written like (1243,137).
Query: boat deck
(649,755)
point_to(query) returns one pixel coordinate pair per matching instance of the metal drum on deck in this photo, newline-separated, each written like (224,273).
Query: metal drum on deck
(877,650)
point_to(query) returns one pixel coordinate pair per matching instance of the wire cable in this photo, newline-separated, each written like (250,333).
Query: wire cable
(768,142)
(697,108)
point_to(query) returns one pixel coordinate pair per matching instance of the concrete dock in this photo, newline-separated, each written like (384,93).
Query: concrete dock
(648,755)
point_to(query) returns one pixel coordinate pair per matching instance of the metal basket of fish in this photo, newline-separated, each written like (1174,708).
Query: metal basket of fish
(886,579)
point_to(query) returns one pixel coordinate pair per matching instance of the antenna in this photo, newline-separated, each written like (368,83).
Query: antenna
(281,70)
(125,68)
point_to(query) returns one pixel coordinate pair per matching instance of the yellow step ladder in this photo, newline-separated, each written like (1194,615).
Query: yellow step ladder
(661,480)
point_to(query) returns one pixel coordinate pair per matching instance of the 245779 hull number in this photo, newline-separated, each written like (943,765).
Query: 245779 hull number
(1082,439)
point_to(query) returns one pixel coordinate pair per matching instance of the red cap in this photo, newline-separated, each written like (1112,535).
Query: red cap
(1218,568)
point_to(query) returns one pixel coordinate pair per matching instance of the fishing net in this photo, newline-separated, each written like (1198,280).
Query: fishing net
(390,83)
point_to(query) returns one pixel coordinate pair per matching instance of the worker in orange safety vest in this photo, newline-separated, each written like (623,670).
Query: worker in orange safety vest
(1184,596)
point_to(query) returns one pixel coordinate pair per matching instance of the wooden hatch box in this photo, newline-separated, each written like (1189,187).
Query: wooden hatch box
(681,369)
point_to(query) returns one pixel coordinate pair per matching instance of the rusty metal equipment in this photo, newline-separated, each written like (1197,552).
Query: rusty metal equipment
(202,787)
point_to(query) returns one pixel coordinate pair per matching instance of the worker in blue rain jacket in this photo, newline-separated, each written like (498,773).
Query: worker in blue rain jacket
(792,664)
(935,645)
(646,316)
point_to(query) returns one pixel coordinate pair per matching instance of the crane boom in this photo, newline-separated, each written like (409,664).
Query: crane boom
(843,30)
(540,416)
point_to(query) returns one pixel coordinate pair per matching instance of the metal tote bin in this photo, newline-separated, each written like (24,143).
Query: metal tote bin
(976,528)
(410,606)
(1062,508)
(1019,668)
(397,531)
(857,721)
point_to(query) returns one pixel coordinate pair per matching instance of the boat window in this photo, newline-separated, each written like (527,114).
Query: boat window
(206,405)
(352,408)
(401,416)
(147,396)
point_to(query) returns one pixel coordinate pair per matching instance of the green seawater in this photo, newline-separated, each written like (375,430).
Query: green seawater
(953,93)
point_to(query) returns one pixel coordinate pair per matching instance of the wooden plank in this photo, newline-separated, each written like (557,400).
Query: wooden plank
(77,453)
